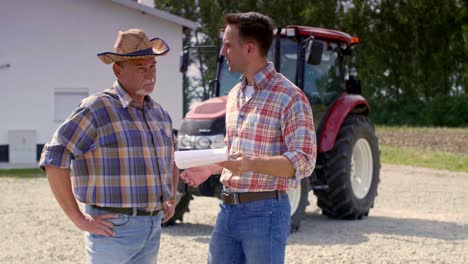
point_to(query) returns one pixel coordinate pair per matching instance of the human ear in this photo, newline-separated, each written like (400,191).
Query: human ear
(117,69)
(251,48)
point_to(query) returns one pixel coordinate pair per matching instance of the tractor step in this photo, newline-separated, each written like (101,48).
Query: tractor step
(320,187)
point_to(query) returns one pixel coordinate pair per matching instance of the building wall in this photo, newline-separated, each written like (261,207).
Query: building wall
(53,45)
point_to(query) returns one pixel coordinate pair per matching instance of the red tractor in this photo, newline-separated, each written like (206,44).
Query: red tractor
(318,61)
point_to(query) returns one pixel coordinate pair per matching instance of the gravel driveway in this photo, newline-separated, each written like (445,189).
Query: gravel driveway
(421,216)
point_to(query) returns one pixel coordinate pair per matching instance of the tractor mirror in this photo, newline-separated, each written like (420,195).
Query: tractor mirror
(314,52)
(184,60)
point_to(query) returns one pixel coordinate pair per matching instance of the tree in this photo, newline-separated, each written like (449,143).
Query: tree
(410,51)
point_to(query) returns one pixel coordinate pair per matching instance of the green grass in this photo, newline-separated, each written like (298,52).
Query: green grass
(389,154)
(419,129)
(22,173)
(417,157)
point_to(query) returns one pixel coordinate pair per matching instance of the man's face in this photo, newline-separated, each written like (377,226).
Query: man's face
(233,49)
(137,76)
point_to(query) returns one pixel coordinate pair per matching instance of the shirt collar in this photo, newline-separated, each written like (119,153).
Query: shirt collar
(126,99)
(262,77)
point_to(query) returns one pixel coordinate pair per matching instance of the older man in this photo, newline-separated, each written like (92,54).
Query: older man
(117,150)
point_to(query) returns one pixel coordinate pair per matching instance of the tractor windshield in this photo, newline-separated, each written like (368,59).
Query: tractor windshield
(322,82)
(288,66)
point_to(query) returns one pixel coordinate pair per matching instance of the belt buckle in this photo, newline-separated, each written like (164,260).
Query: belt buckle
(228,197)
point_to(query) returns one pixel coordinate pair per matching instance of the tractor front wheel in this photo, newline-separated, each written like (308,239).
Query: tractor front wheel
(298,199)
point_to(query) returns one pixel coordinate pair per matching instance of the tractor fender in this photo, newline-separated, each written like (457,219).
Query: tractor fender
(345,104)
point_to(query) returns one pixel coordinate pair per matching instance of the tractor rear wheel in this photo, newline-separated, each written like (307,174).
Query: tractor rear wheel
(351,170)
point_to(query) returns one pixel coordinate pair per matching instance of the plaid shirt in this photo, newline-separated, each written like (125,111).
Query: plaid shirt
(276,120)
(120,155)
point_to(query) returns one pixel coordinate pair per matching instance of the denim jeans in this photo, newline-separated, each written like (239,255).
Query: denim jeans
(136,239)
(252,232)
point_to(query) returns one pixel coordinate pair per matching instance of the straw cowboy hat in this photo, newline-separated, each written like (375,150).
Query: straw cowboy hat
(134,44)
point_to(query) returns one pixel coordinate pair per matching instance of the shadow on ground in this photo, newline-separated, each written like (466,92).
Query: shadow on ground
(321,230)
(317,229)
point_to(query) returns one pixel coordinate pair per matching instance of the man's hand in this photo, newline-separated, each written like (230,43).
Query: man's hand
(169,210)
(96,224)
(195,176)
(238,163)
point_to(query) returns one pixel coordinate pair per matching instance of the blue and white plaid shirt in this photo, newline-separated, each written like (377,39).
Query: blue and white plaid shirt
(120,155)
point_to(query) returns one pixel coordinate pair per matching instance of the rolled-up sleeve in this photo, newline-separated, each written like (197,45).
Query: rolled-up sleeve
(74,137)
(299,135)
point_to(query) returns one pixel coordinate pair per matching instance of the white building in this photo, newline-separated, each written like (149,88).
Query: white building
(48,63)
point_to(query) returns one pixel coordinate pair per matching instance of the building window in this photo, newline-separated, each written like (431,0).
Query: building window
(67,100)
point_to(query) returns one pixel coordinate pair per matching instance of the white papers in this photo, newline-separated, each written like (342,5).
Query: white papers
(194,158)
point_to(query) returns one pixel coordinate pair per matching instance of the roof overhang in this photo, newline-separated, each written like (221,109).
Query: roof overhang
(158,13)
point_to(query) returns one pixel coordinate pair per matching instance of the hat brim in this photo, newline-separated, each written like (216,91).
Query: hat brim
(158,48)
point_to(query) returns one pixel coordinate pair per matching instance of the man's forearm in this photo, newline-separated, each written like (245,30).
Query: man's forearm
(215,169)
(60,183)
(279,166)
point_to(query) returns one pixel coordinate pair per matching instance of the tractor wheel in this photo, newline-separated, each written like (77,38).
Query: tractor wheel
(298,198)
(351,171)
(182,207)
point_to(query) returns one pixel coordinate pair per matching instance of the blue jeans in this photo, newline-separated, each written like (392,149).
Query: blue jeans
(136,239)
(252,232)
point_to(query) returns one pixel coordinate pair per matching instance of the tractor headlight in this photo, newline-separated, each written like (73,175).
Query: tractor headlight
(203,143)
(217,141)
(200,142)
(184,142)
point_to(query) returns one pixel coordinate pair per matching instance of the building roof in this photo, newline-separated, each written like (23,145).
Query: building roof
(158,13)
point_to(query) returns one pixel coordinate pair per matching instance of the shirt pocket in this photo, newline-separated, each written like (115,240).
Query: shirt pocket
(165,129)
(109,141)
(249,125)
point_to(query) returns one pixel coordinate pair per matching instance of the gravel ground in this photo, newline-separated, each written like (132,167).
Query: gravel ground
(421,216)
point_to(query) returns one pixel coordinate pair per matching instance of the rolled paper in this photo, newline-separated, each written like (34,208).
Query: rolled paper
(195,158)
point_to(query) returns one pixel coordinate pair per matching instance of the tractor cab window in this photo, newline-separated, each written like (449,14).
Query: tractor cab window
(288,60)
(322,83)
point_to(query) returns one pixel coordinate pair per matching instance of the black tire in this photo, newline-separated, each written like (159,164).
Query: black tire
(300,203)
(342,199)
(182,207)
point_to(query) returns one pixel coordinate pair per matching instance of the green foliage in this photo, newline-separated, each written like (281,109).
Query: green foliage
(412,58)
(449,111)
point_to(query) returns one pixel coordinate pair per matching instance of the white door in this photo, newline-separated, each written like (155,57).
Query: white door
(22,146)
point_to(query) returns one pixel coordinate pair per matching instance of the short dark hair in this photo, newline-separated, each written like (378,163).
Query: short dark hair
(253,26)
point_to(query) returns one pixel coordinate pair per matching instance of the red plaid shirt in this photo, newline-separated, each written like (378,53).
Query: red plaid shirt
(276,120)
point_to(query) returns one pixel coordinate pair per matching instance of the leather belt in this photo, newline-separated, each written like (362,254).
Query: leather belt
(127,211)
(236,198)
